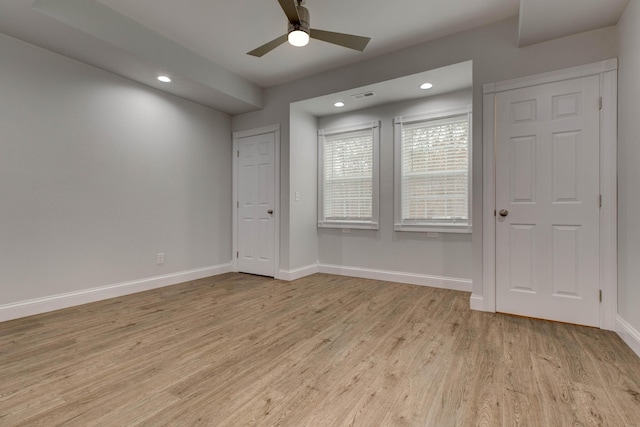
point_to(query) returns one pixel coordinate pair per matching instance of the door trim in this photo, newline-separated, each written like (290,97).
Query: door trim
(608,72)
(275,129)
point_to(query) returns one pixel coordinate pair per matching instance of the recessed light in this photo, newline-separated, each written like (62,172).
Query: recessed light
(164,79)
(339,104)
(426,86)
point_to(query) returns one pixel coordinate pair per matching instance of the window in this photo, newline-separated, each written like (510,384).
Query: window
(348,176)
(433,172)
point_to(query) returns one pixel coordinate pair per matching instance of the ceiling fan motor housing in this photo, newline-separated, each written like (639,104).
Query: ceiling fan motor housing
(305,21)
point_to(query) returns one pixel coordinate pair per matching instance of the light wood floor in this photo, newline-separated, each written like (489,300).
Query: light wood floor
(321,351)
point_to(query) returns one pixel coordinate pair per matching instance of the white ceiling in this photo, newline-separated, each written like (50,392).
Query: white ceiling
(542,20)
(444,80)
(225,30)
(203,44)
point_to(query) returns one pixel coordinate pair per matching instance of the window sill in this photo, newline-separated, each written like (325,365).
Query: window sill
(350,225)
(434,228)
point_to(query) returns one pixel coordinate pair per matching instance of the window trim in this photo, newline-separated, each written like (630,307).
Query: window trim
(374,224)
(445,226)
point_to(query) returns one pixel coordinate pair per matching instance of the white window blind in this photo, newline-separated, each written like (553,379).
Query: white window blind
(434,176)
(348,175)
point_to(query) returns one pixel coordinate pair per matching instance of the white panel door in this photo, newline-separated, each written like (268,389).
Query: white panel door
(547,200)
(256,184)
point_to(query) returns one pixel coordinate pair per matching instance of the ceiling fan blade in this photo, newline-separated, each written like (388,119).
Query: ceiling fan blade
(346,40)
(289,8)
(268,47)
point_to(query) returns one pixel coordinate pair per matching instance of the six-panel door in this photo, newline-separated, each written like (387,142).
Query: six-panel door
(547,190)
(256,183)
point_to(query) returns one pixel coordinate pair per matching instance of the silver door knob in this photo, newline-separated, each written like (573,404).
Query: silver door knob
(503,212)
(270,211)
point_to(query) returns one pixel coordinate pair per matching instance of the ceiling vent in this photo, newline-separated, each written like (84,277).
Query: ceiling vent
(363,95)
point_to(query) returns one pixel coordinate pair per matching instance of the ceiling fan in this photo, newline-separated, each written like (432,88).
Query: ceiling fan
(299,31)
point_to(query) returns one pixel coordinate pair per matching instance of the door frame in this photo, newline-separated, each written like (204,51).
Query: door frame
(608,73)
(274,129)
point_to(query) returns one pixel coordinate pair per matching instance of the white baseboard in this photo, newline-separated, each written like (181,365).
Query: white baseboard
(399,277)
(477,302)
(57,302)
(628,334)
(297,273)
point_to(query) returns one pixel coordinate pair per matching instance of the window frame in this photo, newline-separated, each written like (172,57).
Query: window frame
(374,224)
(439,226)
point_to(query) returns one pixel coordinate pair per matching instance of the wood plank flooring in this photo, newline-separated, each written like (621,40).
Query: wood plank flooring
(325,350)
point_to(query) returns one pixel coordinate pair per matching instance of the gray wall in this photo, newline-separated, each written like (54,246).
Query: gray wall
(447,255)
(98,174)
(496,56)
(303,239)
(628,170)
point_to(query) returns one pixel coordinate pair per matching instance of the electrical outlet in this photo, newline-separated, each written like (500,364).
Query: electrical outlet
(346,230)
(432,234)
(297,196)
(160,258)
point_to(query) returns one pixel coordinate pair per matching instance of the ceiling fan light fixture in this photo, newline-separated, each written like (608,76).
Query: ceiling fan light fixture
(299,31)
(298,38)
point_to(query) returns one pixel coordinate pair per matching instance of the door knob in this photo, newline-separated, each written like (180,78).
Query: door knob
(270,211)
(504,212)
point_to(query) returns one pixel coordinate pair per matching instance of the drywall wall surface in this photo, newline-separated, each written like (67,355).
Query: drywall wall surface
(99,174)
(628,161)
(496,56)
(447,255)
(303,240)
